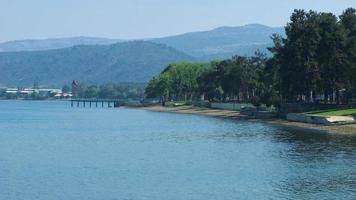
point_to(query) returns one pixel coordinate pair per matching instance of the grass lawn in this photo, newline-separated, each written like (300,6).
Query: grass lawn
(334,112)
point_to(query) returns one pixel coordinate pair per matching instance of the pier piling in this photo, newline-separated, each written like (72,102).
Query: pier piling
(110,102)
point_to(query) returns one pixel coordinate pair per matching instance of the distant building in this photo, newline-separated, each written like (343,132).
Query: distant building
(63,95)
(27,91)
(48,92)
(11,91)
(30,91)
(52,91)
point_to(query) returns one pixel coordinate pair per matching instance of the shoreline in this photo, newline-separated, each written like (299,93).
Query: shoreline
(235,115)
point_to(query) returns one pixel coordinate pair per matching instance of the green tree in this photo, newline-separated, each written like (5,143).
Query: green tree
(331,55)
(151,89)
(348,22)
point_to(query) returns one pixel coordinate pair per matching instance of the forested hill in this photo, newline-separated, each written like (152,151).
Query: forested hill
(224,42)
(136,61)
(100,61)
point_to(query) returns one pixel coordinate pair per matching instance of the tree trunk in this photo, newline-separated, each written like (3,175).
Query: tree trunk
(311,97)
(333,97)
(337,97)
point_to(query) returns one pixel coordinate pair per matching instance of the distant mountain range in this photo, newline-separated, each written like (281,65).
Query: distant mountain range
(224,42)
(121,62)
(57,43)
(218,43)
(101,60)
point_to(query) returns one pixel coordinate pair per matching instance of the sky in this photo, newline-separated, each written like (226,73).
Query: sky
(135,19)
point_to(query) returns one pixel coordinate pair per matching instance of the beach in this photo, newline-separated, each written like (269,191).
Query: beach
(235,115)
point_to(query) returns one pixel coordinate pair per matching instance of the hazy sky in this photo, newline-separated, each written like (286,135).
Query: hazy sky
(129,19)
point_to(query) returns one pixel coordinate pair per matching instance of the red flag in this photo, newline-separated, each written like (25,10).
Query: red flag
(74,83)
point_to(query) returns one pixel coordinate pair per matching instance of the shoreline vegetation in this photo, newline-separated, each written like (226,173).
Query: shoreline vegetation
(235,115)
(308,79)
(76,90)
(313,63)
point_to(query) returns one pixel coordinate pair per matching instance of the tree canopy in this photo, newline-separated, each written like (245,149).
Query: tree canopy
(178,81)
(315,61)
(316,55)
(109,91)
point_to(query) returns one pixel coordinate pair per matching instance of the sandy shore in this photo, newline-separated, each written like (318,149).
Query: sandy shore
(333,129)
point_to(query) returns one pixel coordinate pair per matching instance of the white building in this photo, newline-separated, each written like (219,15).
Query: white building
(29,91)
(12,91)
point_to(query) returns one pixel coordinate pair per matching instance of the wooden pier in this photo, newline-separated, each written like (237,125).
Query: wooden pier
(110,103)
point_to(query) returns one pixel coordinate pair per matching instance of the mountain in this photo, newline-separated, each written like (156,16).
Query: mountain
(223,42)
(57,43)
(219,43)
(136,61)
(55,62)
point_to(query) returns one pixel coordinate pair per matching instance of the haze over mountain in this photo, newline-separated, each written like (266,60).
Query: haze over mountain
(99,60)
(218,43)
(224,42)
(54,43)
(136,61)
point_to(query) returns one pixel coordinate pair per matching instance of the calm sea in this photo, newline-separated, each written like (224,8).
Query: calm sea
(50,151)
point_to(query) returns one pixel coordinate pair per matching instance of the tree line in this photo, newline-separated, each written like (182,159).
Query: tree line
(107,91)
(315,61)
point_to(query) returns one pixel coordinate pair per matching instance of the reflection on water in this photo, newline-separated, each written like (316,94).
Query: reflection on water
(51,151)
(327,162)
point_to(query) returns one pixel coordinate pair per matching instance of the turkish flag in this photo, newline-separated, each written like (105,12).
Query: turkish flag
(74,83)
